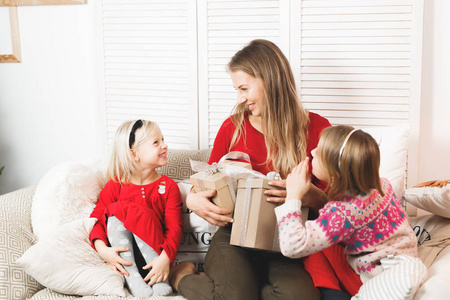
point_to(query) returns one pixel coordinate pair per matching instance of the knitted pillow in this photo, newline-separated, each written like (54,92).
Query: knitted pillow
(178,166)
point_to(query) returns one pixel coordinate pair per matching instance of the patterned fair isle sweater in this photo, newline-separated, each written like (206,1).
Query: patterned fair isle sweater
(371,227)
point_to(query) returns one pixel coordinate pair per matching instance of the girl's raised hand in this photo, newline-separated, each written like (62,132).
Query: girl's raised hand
(298,181)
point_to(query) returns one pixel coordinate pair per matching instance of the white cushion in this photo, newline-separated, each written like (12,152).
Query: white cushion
(435,200)
(66,263)
(66,193)
(197,233)
(437,284)
(393,143)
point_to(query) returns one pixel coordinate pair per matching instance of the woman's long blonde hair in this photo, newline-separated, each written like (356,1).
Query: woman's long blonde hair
(284,120)
(121,164)
(355,169)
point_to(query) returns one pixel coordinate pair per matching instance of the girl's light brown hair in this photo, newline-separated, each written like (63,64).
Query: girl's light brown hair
(356,171)
(284,120)
(121,164)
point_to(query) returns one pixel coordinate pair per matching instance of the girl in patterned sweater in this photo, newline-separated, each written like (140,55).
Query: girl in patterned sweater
(363,214)
(139,211)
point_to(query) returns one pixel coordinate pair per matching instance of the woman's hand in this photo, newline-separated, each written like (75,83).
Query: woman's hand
(298,181)
(276,196)
(111,256)
(200,204)
(160,268)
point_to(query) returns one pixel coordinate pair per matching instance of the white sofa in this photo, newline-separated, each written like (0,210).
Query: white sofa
(17,235)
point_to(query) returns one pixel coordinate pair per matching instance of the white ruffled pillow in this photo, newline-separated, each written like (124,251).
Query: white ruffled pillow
(66,263)
(436,286)
(66,193)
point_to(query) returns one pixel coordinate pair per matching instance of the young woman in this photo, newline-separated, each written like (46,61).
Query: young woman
(270,124)
(363,213)
(139,207)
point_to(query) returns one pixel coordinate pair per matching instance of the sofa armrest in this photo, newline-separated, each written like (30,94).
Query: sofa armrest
(16,236)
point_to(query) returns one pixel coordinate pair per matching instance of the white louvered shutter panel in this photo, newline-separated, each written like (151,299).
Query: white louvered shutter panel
(361,64)
(224,28)
(357,61)
(150,66)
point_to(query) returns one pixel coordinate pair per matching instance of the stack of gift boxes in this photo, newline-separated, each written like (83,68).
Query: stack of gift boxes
(255,224)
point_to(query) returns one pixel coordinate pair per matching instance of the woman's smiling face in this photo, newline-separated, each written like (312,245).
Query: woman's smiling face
(250,92)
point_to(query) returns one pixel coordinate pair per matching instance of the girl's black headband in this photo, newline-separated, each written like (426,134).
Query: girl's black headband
(136,126)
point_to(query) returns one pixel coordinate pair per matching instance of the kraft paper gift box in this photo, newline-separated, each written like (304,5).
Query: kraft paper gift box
(225,194)
(255,223)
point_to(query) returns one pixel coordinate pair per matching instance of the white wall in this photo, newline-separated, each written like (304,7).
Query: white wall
(435,105)
(51,109)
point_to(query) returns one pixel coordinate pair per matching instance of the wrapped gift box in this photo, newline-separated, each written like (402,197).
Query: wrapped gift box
(255,223)
(219,182)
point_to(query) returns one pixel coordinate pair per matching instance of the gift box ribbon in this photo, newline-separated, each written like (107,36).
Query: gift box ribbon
(232,172)
(246,213)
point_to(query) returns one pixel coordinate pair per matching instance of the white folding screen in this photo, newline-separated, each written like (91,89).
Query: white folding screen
(224,28)
(360,64)
(150,53)
(356,62)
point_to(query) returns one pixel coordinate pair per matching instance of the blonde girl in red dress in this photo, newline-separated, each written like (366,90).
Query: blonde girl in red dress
(139,210)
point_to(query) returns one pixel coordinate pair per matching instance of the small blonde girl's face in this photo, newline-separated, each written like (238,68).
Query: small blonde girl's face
(318,169)
(250,91)
(152,153)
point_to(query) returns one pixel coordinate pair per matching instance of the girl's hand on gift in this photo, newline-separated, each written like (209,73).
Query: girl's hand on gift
(111,256)
(200,204)
(276,196)
(160,268)
(298,181)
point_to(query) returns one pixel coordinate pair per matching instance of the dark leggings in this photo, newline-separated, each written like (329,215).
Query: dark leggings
(238,273)
(332,294)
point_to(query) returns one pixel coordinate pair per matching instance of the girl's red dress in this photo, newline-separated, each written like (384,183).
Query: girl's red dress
(152,212)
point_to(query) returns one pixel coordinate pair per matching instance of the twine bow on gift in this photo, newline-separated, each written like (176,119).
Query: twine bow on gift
(221,166)
(231,171)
